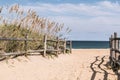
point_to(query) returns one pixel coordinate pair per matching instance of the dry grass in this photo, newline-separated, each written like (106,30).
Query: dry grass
(17,23)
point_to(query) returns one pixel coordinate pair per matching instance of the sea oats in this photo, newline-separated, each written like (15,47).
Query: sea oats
(27,23)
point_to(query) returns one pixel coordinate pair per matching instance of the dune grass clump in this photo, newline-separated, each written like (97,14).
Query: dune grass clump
(17,23)
(15,32)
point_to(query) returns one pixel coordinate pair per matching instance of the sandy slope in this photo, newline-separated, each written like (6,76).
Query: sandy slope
(81,65)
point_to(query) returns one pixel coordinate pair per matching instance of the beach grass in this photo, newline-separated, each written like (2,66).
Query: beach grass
(20,23)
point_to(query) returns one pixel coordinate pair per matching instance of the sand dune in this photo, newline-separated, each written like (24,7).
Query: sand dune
(83,64)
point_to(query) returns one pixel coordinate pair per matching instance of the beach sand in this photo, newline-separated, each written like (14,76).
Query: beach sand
(82,64)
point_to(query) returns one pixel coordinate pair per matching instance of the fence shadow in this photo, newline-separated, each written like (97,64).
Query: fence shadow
(92,68)
(1,59)
(105,72)
(102,70)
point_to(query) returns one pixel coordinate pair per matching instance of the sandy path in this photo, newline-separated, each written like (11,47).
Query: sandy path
(81,65)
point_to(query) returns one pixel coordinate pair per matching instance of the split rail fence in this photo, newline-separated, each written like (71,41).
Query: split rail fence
(114,51)
(66,46)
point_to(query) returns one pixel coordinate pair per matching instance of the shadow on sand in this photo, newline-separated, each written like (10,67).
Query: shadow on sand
(102,70)
(92,68)
(105,72)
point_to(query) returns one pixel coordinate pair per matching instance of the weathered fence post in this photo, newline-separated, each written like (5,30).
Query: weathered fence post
(57,46)
(64,48)
(45,45)
(111,44)
(25,47)
(115,44)
(118,44)
(70,46)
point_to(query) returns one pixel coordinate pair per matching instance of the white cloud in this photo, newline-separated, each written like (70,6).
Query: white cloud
(101,18)
(101,8)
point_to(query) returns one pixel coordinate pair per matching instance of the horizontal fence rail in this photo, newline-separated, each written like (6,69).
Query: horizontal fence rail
(18,39)
(46,48)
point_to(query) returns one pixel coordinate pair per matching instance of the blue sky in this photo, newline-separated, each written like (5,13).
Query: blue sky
(52,1)
(88,19)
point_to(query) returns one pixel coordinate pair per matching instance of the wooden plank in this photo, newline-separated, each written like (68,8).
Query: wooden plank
(25,47)
(115,47)
(115,38)
(118,51)
(33,51)
(57,46)
(70,46)
(45,45)
(118,44)
(55,40)
(28,52)
(19,39)
(51,50)
(64,51)
(111,46)
(12,53)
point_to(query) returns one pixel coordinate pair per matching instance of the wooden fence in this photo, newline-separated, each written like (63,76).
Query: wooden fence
(114,42)
(59,43)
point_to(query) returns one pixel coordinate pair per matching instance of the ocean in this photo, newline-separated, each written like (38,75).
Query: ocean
(90,44)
